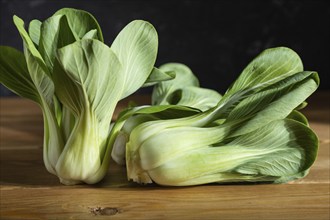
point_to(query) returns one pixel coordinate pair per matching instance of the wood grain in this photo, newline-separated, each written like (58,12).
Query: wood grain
(28,191)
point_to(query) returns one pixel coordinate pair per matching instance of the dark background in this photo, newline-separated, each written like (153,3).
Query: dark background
(216,39)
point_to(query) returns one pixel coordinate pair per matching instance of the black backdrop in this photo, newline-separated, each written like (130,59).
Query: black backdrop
(215,38)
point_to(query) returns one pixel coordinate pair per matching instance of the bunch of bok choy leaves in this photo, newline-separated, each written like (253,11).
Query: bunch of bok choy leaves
(254,133)
(77,80)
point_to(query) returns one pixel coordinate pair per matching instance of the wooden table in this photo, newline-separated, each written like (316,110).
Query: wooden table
(28,191)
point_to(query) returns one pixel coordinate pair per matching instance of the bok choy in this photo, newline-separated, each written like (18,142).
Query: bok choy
(254,133)
(77,80)
(190,135)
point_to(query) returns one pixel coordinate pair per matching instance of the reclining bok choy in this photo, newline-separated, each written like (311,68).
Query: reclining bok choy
(254,133)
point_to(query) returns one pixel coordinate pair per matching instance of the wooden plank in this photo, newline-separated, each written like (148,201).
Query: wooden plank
(28,191)
(201,202)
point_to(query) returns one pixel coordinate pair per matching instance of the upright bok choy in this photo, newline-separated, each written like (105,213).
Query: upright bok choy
(254,133)
(78,80)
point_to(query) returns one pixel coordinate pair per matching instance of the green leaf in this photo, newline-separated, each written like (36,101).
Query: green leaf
(183,77)
(157,76)
(271,66)
(267,69)
(195,97)
(81,22)
(289,147)
(29,44)
(183,89)
(15,75)
(55,33)
(298,116)
(43,83)
(302,105)
(272,104)
(160,111)
(92,34)
(34,31)
(136,47)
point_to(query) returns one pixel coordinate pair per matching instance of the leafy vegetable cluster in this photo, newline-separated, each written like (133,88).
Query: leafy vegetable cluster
(188,136)
(78,80)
